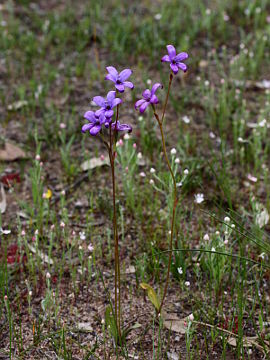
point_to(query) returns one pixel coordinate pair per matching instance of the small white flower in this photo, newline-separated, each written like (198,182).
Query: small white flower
(82,235)
(180,271)
(206,237)
(90,247)
(173,151)
(226,17)
(158,17)
(206,83)
(151,182)
(140,118)
(186,119)
(258,10)
(213,249)
(187,283)
(217,233)
(212,135)
(62,224)
(4,232)
(186,171)
(179,184)
(252,178)
(226,242)
(233,226)
(48,275)
(139,155)
(148,81)
(30,293)
(23,233)
(36,232)
(152,170)
(63,193)
(126,136)
(191,317)
(38,157)
(199,198)
(208,12)
(177,161)
(142,174)
(80,247)
(227,219)
(62,125)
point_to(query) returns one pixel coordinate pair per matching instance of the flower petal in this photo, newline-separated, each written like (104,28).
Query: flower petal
(146,94)
(112,71)
(174,68)
(165,58)
(124,127)
(171,51)
(154,99)
(155,87)
(111,97)
(115,102)
(90,116)
(125,74)
(110,77)
(182,66)
(181,56)
(108,113)
(139,103)
(100,112)
(95,130)
(87,127)
(128,84)
(144,106)
(120,87)
(99,100)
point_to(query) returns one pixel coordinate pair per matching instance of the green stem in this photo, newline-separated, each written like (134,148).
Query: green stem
(175,200)
(167,97)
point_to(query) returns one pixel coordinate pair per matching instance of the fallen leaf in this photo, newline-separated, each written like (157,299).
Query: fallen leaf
(11,152)
(9,179)
(130,270)
(94,162)
(85,326)
(43,257)
(17,105)
(172,322)
(3,203)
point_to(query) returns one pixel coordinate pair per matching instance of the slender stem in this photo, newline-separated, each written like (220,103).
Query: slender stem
(167,97)
(175,200)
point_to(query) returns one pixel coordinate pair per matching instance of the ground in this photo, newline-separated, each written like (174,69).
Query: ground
(56,237)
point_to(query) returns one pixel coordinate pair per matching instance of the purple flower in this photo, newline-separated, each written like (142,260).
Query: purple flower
(95,122)
(149,97)
(175,60)
(121,127)
(107,105)
(119,79)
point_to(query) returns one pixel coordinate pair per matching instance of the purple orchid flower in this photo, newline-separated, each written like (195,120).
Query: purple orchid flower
(175,60)
(149,97)
(121,127)
(107,105)
(95,122)
(119,79)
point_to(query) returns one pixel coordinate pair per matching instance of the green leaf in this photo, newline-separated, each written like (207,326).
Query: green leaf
(151,294)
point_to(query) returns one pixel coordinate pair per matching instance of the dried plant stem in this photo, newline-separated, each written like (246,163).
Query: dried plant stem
(175,200)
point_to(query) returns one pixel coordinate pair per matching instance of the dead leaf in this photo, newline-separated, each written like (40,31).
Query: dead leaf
(43,257)
(130,270)
(17,105)
(172,322)
(85,326)
(94,162)
(11,153)
(3,203)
